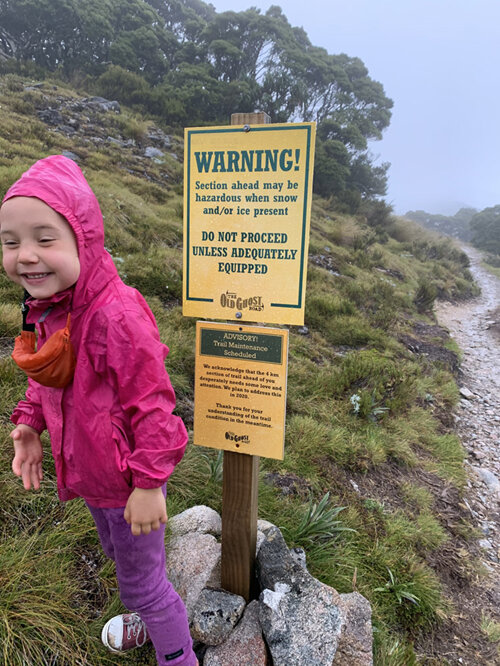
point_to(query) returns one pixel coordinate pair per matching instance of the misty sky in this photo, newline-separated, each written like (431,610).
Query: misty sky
(438,60)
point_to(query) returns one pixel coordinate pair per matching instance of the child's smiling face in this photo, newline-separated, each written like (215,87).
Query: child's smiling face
(39,247)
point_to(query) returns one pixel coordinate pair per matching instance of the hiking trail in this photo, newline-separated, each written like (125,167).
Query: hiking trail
(475,326)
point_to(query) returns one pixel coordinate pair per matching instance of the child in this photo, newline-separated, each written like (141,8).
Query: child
(114,438)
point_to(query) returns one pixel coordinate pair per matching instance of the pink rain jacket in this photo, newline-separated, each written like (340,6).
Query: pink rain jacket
(112,428)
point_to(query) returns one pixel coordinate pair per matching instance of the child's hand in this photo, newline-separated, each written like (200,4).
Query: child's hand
(145,510)
(28,455)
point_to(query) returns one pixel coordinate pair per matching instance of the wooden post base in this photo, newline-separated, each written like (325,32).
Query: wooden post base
(239,523)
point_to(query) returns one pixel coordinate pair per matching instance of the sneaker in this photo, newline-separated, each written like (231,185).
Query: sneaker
(124,632)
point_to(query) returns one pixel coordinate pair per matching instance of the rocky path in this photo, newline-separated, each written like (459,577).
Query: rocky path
(475,326)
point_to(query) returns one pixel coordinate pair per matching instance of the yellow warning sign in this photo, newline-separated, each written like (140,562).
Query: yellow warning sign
(247,206)
(240,388)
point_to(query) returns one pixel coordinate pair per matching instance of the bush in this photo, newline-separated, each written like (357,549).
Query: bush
(425,296)
(122,85)
(376,213)
(493,260)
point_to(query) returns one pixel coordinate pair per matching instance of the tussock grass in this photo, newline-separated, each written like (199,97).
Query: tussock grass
(492,265)
(11,388)
(10,293)
(9,319)
(157,272)
(422,531)
(42,603)
(417,497)
(37,604)
(491,628)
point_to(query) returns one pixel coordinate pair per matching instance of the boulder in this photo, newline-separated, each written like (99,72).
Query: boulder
(215,615)
(290,598)
(489,479)
(154,153)
(101,104)
(299,556)
(340,633)
(264,525)
(199,519)
(157,136)
(244,647)
(355,646)
(192,563)
(50,116)
(70,155)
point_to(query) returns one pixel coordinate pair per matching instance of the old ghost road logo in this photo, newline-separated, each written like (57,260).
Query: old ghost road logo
(238,439)
(233,301)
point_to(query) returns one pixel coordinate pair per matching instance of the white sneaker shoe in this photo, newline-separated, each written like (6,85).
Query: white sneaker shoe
(124,632)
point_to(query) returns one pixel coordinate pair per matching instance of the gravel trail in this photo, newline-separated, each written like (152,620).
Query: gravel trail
(475,326)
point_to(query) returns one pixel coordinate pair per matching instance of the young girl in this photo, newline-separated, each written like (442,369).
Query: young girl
(114,438)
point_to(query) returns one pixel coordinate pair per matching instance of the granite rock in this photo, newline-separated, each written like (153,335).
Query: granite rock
(244,647)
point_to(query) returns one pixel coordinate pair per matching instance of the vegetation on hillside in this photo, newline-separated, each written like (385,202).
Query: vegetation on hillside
(457,226)
(480,228)
(485,228)
(369,435)
(188,65)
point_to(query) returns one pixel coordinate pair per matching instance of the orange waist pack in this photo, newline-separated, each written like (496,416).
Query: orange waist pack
(53,364)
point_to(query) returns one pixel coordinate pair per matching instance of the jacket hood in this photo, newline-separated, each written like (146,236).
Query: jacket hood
(60,183)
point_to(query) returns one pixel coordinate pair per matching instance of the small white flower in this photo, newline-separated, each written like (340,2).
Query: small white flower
(355,401)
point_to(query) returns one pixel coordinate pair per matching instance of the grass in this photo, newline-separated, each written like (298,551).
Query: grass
(9,319)
(365,290)
(319,522)
(47,619)
(491,628)
(493,268)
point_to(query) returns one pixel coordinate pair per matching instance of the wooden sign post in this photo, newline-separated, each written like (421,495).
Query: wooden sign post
(239,523)
(247,206)
(240,489)
(240,406)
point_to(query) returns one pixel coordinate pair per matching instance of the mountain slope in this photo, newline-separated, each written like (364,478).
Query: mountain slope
(370,392)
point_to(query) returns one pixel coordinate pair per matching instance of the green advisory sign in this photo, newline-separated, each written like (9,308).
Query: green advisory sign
(230,343)
(240,388)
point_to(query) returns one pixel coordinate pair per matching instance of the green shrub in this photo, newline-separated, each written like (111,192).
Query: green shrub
(425,296)
(122,85)
(493,260)
(319,522)
(22,106)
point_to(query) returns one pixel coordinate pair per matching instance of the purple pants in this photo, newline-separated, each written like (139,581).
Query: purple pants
(144,587)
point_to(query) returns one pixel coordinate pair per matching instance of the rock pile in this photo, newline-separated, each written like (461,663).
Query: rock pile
(89,122)
(297,619)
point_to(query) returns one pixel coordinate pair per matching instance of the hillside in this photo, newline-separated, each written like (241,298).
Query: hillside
(189,65)
(371,389)
(457,226)
(480,228)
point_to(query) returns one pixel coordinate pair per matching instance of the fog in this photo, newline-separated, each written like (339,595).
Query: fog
(438,60)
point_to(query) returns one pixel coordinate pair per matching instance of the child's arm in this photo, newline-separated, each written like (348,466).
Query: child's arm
(28,453)
(134,364)
(145,510)
(29,411)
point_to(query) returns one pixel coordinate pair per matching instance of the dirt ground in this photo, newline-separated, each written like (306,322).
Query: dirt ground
(475,326)
(6,346)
